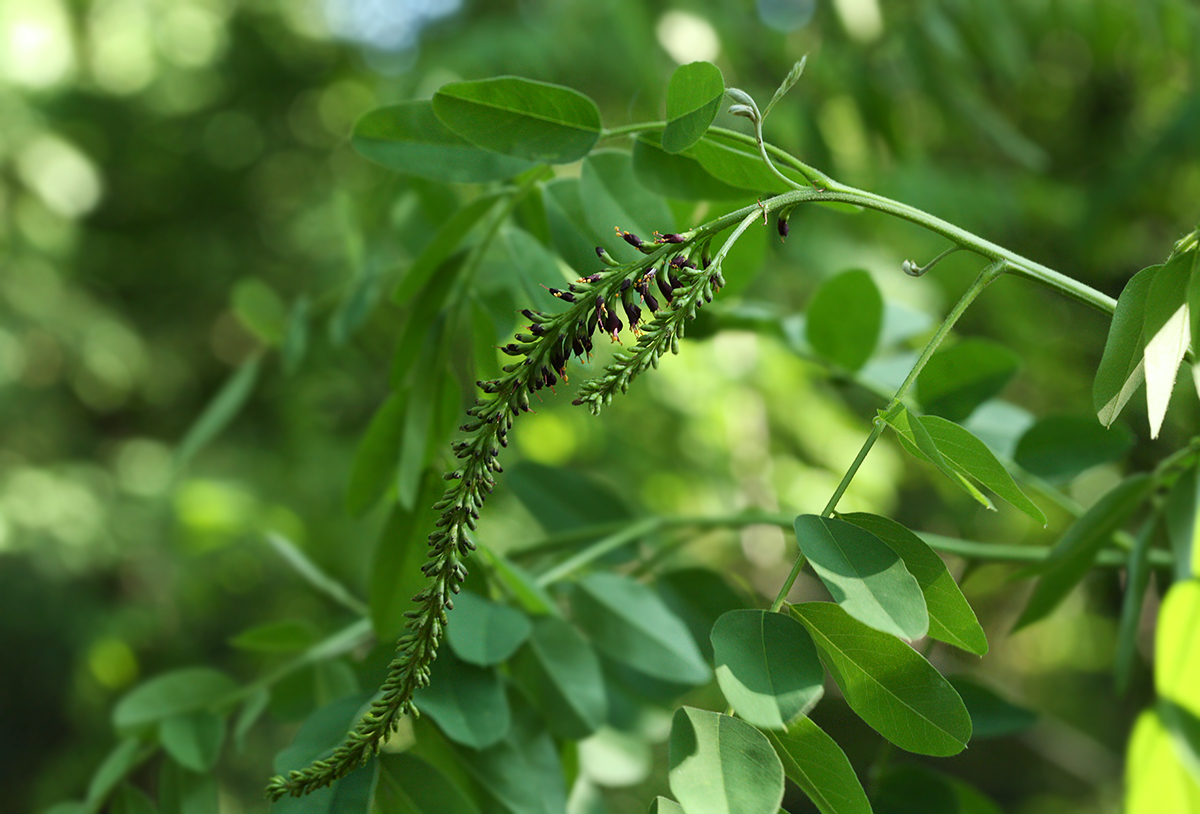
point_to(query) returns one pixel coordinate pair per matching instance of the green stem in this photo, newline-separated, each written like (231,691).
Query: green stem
(620,534)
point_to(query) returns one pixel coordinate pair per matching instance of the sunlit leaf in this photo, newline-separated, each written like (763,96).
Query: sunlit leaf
(814,762)
(629,622)
(767,666)
(959,378)
(722,765)
(521,117)
(1071,558)
(951,618)
(891,686)
(1121,366)
(408,138)
(483,632)
(1177,647)
(1166,335)
(693,99)
(1156,781)
(864,575)
(845,318)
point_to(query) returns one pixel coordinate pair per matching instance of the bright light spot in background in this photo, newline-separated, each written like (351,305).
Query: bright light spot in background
(190,36)
(861,18)
(786,15)
(62,176)
(35,43)
(144,467)
(112,663)
(122,50)
(389,25)
(687,38)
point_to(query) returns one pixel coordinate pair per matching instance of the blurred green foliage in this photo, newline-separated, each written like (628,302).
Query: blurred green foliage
(179,201)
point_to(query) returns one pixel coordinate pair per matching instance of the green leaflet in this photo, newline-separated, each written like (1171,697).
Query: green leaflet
(176,693)
(629,622)
(445,242)
(1074,553)
(483,632)
(1121,366)
(961,456)
(814,762)
(1165,335)
(194,739)
(951,618)
(887,683)
(1058,448)
(991,715)
(864,575)
(408,138)
(375,460)
(616,199)
(553,496)
(845,318)
(678,176)
(959,378)
(410,785)
(1156,780)
(767,667)
(521,118)
(400,550)
(561,675)
(693,99)
(468,703)
(219,412)
(722,765)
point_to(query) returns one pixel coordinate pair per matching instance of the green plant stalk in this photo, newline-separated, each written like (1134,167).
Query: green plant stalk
(618,535)
(981,282)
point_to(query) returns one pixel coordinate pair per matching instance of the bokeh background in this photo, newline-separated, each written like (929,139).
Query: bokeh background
(177,188)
